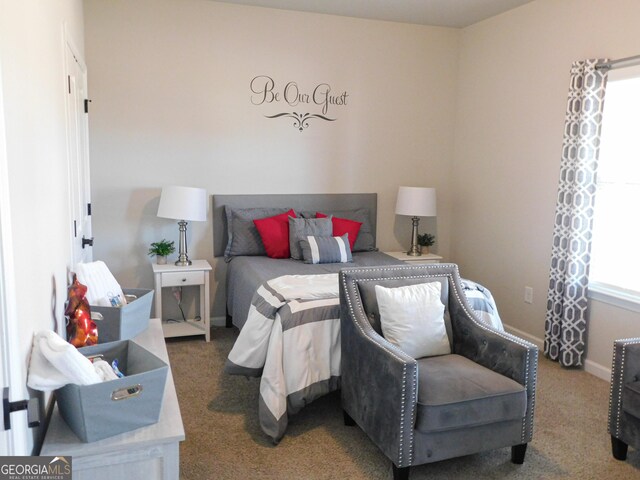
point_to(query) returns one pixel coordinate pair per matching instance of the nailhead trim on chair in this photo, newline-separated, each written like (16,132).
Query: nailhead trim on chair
(624,342)
(531,349)
(613,374)
(533,396)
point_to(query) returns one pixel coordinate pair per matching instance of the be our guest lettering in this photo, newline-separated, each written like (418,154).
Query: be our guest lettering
(265,91)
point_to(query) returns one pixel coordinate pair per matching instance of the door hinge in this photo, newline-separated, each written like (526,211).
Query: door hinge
(86,105)
(75,229)
(89,209)
(32,406)
(69,83)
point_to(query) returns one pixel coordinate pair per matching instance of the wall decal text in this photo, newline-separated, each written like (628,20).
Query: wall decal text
(264,91)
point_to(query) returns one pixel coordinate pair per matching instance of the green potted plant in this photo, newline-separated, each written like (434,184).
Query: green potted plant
(162,250)
(426,240)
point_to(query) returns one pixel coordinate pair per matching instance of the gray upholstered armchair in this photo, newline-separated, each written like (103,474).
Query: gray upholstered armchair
(624,398)
(480,397)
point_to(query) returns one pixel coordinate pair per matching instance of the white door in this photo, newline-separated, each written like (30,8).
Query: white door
(78,154)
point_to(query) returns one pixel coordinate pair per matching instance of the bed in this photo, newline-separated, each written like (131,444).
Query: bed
(288,311)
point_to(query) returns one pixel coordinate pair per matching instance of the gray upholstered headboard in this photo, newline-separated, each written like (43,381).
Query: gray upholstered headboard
(315,201)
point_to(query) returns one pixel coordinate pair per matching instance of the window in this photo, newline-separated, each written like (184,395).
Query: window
(615,252)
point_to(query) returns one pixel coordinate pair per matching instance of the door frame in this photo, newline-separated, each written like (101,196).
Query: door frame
(12,442)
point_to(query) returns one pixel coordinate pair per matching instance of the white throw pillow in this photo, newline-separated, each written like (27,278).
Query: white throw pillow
(412,318)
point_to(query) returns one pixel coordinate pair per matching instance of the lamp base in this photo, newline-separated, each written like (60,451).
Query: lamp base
(183,258)
(415,250)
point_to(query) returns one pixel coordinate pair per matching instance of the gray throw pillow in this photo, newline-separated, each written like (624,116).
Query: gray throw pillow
(326,249)
(365,242)
(244,238)
(300,228)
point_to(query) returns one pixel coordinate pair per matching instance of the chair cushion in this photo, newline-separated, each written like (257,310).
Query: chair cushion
(631,399)
(455,392)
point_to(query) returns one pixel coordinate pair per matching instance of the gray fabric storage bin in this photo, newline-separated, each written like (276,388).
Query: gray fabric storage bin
(123,323)
(98,411)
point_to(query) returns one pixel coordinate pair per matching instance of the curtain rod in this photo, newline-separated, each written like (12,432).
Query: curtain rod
(623,62)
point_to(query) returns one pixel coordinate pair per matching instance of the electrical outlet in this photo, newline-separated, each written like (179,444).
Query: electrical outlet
(528,295)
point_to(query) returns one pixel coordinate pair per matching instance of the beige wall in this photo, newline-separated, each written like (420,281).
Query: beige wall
(513,82)
(170,80)
(171,105)
(33,91)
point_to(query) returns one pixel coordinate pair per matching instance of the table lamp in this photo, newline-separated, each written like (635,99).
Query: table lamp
(183,204)
(416,202)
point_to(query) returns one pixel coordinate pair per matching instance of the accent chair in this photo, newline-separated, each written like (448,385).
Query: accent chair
(479,397)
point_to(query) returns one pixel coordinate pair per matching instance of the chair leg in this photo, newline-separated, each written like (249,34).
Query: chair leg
(517,453)
(618,448)
(348,421)
(401,473)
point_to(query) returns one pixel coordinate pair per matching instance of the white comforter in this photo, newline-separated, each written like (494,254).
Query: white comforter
(291,338)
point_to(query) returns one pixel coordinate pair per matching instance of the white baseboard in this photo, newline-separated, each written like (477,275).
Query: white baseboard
(538,342)
(597,370)
(590,366)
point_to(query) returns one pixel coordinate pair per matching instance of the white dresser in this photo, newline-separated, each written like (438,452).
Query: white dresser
(146,453)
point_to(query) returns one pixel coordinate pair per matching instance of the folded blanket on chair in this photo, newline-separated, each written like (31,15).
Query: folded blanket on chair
(482,302)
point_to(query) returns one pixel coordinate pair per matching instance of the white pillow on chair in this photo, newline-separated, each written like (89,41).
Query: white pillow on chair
(412,318)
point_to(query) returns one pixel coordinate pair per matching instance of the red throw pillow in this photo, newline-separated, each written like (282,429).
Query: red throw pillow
(274,232)
(342,226)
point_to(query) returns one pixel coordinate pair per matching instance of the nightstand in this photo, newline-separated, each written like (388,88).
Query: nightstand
(419,260)
(171,275)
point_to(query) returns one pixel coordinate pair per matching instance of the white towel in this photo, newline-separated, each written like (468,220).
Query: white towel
(100,282)
(104,370)
(55,363)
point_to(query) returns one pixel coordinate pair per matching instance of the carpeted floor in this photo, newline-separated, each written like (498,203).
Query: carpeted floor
(224,440)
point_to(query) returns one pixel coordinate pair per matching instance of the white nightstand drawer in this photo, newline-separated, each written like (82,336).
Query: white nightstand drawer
(175,279)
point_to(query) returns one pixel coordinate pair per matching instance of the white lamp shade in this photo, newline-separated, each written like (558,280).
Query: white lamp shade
(416,201)
(183,203)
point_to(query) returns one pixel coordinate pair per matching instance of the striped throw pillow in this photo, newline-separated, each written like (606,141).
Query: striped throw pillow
(326,249)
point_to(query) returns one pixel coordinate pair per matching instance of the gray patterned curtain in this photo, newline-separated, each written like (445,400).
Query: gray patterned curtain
(566,320)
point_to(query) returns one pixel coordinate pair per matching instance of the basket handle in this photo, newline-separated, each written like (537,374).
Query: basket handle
(126,392)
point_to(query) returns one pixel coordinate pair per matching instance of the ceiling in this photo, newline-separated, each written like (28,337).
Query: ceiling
(444,13)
